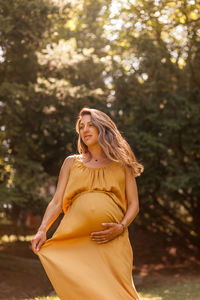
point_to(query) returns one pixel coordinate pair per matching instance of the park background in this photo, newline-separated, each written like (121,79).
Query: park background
(139,62)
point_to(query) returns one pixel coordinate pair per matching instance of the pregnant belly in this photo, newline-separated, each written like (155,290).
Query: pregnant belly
(87,212)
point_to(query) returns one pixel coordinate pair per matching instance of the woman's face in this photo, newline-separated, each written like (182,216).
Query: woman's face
(88,132)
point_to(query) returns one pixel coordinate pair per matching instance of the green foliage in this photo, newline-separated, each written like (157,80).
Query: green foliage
(49,71)
(158,105)
(22,27)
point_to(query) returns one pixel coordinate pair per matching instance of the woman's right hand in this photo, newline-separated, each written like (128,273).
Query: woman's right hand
(38,240)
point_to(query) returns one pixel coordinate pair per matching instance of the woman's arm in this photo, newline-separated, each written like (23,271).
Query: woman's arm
(132,199)
(112,230)
(54,208)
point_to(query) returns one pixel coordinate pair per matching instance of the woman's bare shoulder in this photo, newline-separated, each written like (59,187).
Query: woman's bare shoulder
(67,164)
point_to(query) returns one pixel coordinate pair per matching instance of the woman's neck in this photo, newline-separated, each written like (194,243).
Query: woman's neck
(97,153)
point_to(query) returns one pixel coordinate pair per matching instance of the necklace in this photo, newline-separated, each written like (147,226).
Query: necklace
(96,159)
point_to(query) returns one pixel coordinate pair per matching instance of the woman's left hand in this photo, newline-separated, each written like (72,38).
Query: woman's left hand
(112,231)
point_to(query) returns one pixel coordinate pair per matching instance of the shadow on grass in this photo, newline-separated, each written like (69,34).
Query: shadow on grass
(22,278)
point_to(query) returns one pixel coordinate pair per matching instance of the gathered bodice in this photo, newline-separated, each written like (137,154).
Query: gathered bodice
(109,179)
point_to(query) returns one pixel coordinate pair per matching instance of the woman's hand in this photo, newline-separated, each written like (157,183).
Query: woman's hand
(38,241)
(113,230)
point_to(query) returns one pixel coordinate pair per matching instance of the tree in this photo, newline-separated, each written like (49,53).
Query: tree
(156,87)
(51,68)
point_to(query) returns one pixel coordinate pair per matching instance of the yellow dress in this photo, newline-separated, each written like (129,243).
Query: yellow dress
(78,267)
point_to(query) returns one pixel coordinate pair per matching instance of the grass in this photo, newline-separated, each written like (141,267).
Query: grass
(168,290)
(171,290)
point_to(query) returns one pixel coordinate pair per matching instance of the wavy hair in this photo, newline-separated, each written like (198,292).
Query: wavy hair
(110,139)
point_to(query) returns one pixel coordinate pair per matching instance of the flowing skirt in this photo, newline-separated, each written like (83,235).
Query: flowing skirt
(80,268)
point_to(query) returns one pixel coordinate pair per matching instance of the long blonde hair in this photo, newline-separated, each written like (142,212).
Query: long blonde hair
(111,141)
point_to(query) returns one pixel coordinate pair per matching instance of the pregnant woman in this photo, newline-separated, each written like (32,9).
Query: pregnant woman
(89,256)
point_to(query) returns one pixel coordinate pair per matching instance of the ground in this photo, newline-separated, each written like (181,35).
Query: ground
(160,272)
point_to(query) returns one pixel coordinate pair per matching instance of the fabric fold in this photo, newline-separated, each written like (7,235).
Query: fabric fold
(78,267)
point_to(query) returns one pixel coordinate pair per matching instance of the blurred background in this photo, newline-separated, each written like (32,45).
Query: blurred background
(139,62)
